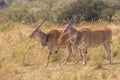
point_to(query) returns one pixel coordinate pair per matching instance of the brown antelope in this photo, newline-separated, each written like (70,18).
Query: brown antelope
(53,40)
(86,38)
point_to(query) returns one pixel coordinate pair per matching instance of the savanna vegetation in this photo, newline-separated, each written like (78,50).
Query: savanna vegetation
(22,58)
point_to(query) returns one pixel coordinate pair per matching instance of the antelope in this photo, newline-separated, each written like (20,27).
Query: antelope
(53,40)
(86,38)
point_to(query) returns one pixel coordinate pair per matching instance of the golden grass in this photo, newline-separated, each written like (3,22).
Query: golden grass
(22,58)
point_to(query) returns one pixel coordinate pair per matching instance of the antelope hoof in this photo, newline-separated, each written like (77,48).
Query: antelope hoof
(46,65)
(59,63)
(110,62)
(84,63)
(64,62)
(76,62)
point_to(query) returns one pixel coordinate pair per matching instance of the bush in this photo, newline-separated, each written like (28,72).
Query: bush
(112,8)
(2,4)
(6,25)
(20,14)
(88,10)
(58,11)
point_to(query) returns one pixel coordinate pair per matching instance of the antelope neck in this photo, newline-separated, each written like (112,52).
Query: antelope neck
(42,36)
(72,31)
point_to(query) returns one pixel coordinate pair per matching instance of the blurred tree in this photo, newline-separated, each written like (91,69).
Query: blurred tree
(60,11)
(112,7)
(10,1)
(2,3)
(88,10)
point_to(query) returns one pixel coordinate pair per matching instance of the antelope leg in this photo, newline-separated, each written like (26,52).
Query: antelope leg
(69,53)
(84,56)
(108,50)
(58,58)
(79,57)
(48,58)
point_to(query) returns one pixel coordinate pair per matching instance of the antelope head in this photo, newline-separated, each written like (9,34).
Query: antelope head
(35,32)
(40,34)
(68,29)
(71,31)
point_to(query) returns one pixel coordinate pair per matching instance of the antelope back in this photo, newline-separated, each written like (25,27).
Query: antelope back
(100,35)
(94,37)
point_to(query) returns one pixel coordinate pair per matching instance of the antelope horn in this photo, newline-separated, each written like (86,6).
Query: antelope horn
(72,20)
(38,27)
(41,24)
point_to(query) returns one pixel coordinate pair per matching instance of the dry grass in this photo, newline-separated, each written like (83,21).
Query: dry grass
(24,59)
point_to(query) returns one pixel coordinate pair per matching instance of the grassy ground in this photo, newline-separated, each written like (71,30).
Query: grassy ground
(22,58)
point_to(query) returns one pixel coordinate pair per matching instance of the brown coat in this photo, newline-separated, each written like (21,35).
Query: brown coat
(94,37)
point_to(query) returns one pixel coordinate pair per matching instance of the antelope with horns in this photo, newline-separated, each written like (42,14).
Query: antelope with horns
(86,38)
(53,40)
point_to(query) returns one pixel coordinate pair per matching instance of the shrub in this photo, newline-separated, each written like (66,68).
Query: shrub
(6,25)
(20,14)
(88,10)
(58,11)
(85,10)
(2,4)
